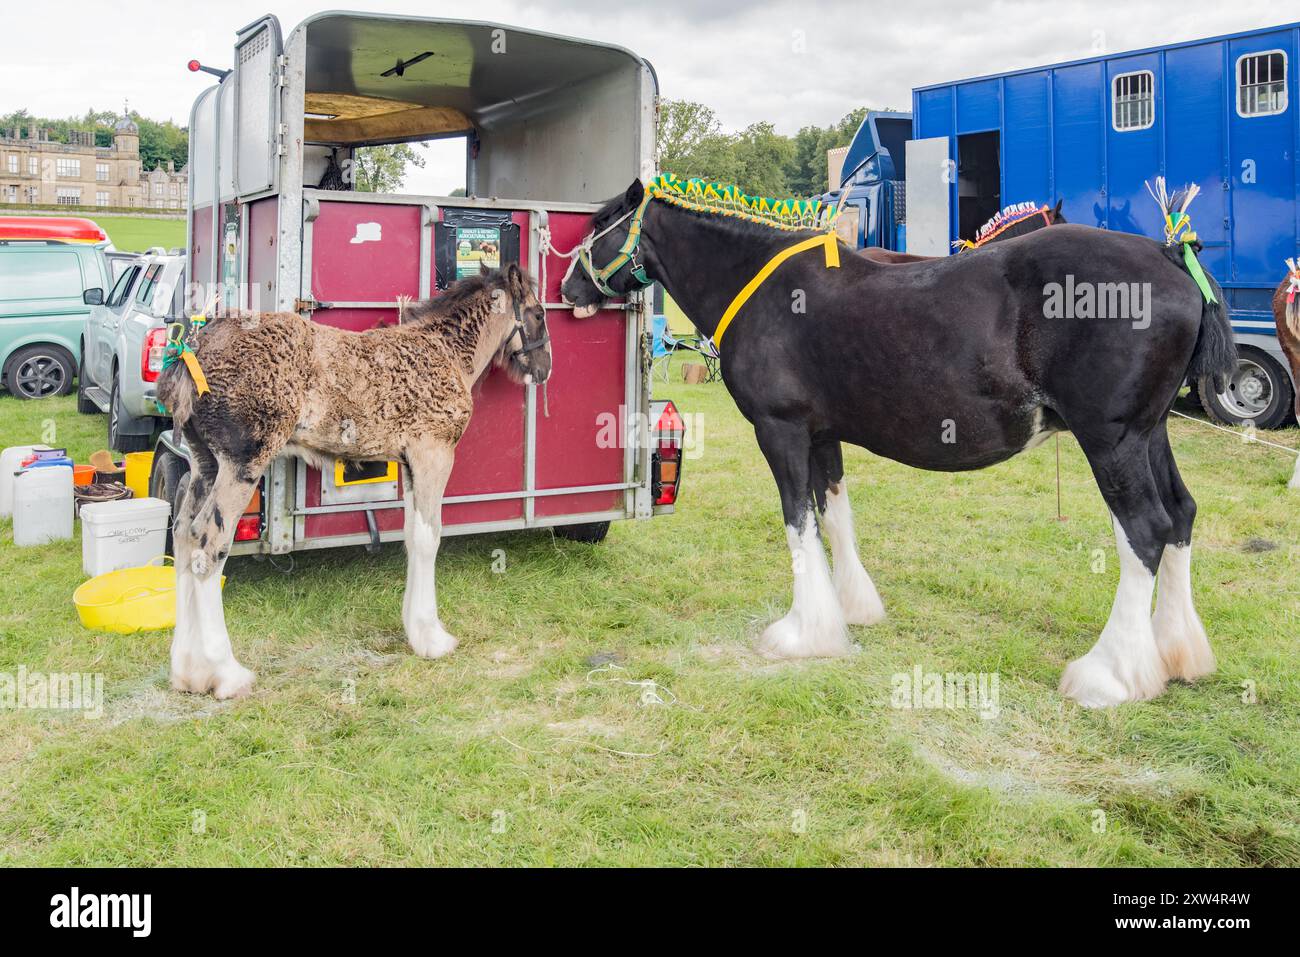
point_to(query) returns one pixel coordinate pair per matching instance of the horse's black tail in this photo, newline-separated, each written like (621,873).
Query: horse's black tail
(1215,354)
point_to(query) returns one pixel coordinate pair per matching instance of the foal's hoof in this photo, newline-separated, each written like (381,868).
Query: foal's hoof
(229,680)
(1095,682)
(789,637)
(432,641)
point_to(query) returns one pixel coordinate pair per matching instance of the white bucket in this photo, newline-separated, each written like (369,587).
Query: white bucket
(10,460)
(43,505)
(123,534)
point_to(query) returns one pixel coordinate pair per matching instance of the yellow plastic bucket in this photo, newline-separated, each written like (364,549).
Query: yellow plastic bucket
(138,467)
(130,599)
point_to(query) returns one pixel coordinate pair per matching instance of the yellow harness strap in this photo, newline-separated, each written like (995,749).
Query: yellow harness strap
(832,251)
(196,372)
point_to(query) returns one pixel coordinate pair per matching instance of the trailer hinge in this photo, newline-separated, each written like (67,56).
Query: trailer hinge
(281,131)
(308,306)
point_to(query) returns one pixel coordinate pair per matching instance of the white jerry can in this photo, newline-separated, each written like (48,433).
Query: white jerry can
(123,534)
(10,460)
(43,505)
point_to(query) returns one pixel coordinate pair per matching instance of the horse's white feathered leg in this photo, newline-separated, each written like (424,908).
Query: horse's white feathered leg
(430,467)
(814,627)
(1124,664)
(1180,636)
(857,593)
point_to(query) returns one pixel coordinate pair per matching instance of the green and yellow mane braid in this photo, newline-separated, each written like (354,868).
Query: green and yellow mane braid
(727,200)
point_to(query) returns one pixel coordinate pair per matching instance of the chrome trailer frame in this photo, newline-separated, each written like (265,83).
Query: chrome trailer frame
(284,486)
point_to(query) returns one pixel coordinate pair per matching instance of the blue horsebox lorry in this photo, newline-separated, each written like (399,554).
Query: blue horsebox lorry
(1221,113)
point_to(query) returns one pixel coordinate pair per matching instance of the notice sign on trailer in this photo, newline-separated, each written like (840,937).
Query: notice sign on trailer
(476,247)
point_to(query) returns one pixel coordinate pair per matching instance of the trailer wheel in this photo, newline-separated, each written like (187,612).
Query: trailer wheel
(1259,392)
(592,532)
(169,480)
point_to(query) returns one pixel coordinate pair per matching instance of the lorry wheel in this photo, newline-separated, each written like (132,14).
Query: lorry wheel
(1259,392)
(118,418)
(84,405)
(39,372)
(591,532)
(169,480)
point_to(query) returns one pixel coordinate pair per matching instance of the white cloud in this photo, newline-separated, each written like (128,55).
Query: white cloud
(739,57)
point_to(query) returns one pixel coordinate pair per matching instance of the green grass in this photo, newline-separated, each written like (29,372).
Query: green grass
(136,234)
(509,752)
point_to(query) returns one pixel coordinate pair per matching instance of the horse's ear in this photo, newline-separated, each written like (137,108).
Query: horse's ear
(516,280)
(1056,210)
(635,193)
(483,268)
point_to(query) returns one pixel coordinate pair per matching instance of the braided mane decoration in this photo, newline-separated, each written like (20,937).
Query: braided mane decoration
(1293,297)
(726,199)
(1002,220)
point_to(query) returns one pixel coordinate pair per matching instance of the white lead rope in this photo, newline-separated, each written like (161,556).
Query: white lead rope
(1246,437)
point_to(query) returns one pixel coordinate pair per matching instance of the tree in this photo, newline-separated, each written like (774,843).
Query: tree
(382,169)
(691,142)
(762,155)
(161,143)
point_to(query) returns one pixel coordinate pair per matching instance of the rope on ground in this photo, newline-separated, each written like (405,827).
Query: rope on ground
(1246,437)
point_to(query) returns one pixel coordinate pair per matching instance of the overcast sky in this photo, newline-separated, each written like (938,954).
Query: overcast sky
(793,63)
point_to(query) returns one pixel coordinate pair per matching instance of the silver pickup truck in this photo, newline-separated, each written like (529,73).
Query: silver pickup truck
(122,347)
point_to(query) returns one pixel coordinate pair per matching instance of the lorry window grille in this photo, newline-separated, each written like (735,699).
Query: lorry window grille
(1133,101)
(1261,83)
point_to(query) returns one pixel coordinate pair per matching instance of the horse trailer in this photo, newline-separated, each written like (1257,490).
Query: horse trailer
(552,126)
(1220,113)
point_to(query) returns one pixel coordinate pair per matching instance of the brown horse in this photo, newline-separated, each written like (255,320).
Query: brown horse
(279,383)
(1286,314)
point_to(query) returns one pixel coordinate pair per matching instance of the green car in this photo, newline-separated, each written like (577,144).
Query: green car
(47,288)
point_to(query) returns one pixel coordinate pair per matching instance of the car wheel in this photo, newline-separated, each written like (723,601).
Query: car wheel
(84,405)
(592,532)
(117,419)
(1259,391)
(168,480)
(39,372)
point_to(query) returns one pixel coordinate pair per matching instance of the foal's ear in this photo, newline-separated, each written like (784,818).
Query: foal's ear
(517,281)
(1056,210)
(635,193)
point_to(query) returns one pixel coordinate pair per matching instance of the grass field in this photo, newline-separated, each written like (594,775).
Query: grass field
(137,235)
(134,234)
(515,751)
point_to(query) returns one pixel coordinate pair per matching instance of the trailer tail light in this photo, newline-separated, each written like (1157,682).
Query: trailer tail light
(667,436)
(151,356)
(248,528)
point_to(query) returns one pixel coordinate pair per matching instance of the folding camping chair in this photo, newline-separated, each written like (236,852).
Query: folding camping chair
(663,345)
(703,347)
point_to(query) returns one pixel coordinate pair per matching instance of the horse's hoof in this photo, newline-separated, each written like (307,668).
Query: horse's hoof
(789,637)
(433,642)
(232,681)
(228,680)
(861,604)
(1094,681)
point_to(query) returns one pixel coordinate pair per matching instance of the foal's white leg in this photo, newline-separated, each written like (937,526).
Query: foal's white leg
(1180,636)
(429,469)
(1124,664)
(814,627)
(857,593)
(1295,476)
(202,659)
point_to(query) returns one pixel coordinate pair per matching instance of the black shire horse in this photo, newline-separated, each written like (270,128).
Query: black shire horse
(949,364)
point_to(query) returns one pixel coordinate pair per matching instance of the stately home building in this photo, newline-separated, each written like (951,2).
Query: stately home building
(36,171)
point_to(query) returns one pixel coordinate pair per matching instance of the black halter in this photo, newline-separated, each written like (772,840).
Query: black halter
(525,345)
